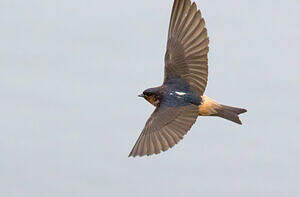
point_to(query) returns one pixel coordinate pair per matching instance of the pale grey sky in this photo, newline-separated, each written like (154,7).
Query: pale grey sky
(70,74)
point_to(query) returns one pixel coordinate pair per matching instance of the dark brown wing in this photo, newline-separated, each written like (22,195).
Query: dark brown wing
(165,128)
(187,47)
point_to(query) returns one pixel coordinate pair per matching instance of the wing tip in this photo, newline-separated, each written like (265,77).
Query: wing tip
(141,155)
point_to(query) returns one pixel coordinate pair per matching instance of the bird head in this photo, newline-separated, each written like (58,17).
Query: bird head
(151,96)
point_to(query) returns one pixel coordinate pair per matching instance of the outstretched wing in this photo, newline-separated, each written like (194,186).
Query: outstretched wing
(187,47)
(165,128)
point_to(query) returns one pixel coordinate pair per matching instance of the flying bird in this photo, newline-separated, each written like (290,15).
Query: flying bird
(180,99)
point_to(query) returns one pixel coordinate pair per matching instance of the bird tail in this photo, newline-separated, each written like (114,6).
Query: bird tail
(209,107)
(230,113)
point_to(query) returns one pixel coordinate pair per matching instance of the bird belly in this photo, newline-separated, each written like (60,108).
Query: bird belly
(208,106)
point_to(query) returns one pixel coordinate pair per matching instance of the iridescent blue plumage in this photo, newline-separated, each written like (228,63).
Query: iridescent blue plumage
(174,97)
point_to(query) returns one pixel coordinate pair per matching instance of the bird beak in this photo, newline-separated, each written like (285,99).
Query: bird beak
(141,95)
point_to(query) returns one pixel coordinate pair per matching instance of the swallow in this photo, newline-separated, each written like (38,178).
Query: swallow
(180,99)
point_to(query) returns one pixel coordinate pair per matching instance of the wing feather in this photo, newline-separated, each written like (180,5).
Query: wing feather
(165,128)
(187,47)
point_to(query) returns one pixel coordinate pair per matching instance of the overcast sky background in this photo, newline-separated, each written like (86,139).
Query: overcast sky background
(70,73)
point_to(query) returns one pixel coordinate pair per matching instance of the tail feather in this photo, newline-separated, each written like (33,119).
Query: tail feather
(234,109)
(230,113)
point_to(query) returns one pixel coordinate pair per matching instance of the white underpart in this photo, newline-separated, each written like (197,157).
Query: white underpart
(180,93)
